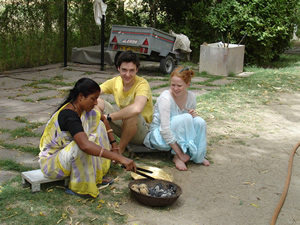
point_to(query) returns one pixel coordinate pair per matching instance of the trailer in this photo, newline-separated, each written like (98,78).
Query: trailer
(149,43)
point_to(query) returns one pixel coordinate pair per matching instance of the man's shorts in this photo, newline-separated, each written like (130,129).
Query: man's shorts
(116,125)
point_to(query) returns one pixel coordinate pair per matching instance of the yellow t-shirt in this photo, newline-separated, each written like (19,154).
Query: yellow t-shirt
(140,88)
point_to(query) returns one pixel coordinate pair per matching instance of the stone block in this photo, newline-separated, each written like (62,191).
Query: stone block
(216,59)
(36,178)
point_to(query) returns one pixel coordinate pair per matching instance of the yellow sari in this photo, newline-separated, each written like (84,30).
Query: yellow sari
(61,157)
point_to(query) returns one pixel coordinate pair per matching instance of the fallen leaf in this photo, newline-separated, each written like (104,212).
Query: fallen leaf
(116,192)
(69,210)
(101,201)
(64,216)
(42,214)
(104,186)
(234,197)
(122,214)
(254,205)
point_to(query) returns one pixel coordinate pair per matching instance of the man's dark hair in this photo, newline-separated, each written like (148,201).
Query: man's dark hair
(128,56)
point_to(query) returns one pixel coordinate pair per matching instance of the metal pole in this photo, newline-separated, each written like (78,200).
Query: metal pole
(65,33)
(102,41)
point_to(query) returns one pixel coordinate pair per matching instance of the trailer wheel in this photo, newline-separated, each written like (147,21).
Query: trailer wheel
(167,65)
(116,59)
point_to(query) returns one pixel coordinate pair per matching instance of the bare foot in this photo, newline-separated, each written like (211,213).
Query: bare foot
(179,164)
(184,157)
(205,162)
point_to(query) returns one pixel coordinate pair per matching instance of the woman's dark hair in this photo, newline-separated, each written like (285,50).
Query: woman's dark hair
(128,56)
(85,86)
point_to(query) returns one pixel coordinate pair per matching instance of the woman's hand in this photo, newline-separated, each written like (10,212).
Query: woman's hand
(128,164)
(193,112)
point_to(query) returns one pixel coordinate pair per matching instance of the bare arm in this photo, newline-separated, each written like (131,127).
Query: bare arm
(110,134)
(91,148)
(131,110)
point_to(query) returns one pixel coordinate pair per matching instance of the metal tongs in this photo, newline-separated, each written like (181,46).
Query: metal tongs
(138,169)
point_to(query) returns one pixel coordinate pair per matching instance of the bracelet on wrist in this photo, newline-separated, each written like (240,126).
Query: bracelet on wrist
(101,152)
(111,142)
(110,130)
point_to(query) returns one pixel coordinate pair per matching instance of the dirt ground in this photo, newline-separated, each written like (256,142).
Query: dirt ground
(243,185)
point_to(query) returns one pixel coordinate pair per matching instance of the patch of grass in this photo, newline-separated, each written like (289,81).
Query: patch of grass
(211,78)
(33,150)
(259,88)
(57,81)
(236,102)
(46,98)
(69,69)
(21,119)
(3,130)
(216,139)
(52,204)
(24,132)
(28,100)
(155,95)
(149,79)
(240,142)
(89,73)
(12,165)
(286,60)
(231,74)
(160,86)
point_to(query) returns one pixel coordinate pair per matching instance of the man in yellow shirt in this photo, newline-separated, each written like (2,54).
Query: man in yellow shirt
(134,98)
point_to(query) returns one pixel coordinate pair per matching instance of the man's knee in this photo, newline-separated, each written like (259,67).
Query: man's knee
(100,105)
(130,122)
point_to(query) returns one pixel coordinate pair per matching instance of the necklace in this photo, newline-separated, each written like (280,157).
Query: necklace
(73,106)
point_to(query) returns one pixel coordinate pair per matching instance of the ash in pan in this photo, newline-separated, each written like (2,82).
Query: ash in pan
(159,191)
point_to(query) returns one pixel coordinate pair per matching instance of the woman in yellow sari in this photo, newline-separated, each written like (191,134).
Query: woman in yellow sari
(76,143)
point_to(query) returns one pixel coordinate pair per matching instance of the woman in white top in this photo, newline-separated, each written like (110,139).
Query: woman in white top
(176,125)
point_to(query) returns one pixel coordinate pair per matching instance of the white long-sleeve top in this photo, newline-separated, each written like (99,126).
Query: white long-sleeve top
(166,108)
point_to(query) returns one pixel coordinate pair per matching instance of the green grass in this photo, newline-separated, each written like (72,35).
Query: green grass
(237,102)
(51,204)
(22,148)
(8,164)
(27,131)
(57,81)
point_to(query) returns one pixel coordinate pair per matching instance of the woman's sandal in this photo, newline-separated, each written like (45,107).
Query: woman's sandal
(107,180)
(70,192)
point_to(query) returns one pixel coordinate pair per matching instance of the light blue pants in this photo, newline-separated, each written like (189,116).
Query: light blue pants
(190,135)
